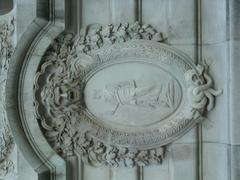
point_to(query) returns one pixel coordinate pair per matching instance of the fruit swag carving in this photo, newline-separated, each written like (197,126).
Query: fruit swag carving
(84,109)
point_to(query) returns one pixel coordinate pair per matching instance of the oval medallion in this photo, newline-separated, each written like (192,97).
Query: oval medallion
(118,104)
(132,94)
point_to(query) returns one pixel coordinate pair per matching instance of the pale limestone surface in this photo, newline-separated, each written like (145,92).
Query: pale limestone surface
(8,150)
(177,20)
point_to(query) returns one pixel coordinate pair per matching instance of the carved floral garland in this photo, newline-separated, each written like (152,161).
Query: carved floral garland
(59,119)
(6,139)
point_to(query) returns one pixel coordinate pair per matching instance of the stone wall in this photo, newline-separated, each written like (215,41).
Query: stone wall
(205,31)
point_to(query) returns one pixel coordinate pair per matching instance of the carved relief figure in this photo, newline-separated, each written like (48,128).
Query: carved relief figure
(129,93)
(61,103)
(200,92)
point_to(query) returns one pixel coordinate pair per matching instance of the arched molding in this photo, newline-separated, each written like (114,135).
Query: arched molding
(30,50)
(25,129)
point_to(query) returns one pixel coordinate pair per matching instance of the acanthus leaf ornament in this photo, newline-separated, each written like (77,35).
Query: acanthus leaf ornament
(117,95)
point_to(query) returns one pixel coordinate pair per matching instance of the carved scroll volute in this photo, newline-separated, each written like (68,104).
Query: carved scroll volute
(117,95)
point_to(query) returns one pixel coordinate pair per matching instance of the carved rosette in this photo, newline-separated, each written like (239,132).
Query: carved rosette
(117,95)
(7,28)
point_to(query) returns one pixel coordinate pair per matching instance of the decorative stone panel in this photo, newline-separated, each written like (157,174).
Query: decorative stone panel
(117,94)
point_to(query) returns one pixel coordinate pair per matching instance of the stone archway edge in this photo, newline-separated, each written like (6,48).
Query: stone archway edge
(34,147)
